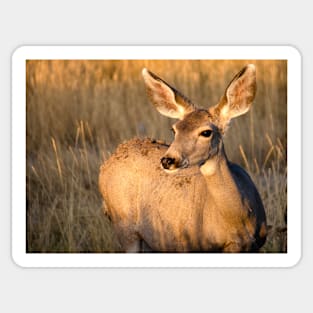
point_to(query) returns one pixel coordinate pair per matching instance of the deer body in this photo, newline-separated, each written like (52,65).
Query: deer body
(186,196)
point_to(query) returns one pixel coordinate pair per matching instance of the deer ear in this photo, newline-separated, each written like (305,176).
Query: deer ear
(238,96)
(167,100)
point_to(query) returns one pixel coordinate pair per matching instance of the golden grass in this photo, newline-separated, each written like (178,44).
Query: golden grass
(79,111)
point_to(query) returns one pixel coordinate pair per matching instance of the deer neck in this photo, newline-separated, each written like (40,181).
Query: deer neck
(220,182)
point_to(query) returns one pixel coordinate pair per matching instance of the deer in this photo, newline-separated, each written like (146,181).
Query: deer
(186,196)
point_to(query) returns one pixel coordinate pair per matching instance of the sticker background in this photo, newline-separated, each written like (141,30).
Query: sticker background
(278,22)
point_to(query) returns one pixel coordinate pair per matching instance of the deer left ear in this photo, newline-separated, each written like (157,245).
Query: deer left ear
(166,99)
(237,98)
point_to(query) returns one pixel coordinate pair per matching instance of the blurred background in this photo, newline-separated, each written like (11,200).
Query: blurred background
(79,111)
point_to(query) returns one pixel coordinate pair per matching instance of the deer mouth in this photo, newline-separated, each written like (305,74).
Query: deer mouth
(171,165)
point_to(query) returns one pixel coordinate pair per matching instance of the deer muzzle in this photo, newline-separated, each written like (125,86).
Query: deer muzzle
(170,163)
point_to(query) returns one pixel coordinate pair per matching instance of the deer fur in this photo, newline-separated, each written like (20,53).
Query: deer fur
(185,197)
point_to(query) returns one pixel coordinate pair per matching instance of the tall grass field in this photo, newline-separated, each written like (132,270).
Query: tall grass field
(78,111)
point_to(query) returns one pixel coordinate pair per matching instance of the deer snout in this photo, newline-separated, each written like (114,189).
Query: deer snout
(167,162)
(170,163)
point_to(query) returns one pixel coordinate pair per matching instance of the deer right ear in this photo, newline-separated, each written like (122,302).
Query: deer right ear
(238,96)
(167,100)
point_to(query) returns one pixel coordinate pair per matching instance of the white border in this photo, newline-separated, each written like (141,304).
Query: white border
(19,255)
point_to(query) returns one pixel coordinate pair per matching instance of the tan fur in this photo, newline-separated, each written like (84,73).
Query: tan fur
(194,199)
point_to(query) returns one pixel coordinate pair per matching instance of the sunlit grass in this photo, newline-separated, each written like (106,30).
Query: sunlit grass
(79,111)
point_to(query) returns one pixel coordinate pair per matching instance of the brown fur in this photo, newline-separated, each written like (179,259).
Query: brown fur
(195,201)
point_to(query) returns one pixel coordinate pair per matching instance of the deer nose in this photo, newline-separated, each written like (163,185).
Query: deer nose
(167,162)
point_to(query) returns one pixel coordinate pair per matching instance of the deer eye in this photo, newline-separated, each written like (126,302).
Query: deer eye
(206,133)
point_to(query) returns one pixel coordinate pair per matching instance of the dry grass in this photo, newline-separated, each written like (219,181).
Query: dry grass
(79,111)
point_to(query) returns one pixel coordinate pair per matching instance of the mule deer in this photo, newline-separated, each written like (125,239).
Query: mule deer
(186,197)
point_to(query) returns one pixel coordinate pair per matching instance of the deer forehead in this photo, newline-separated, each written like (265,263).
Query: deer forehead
(194,121)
